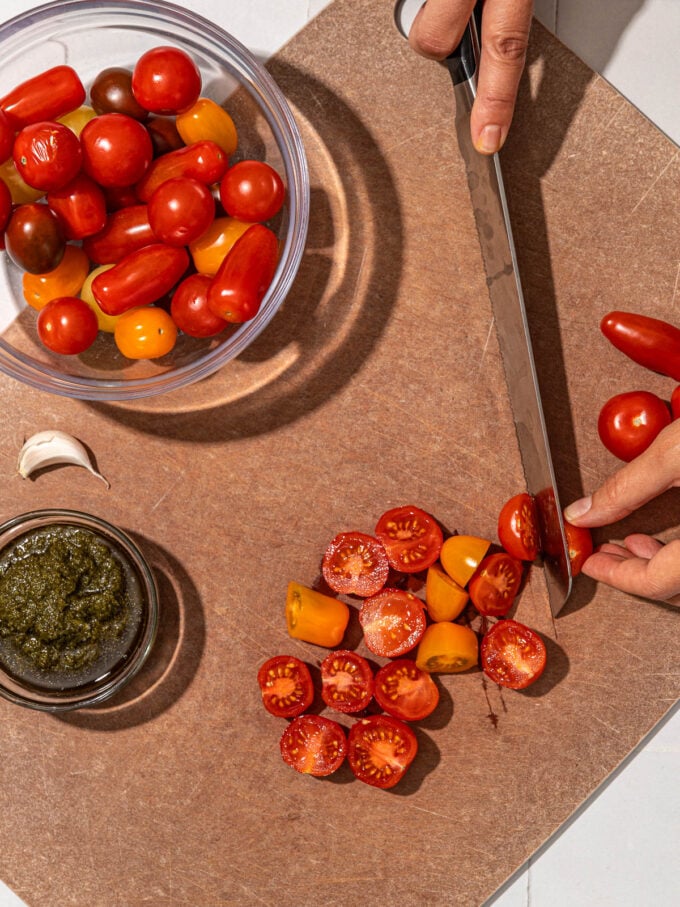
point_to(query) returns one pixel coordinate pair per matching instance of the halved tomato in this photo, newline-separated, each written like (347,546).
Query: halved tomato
(314,745)
(512,654)
(346,681)
(495,584)
(411,538)
(404,691)
(518,527)
(447,648)
(393,622)
(444,598)
(355,564)
(461,555)
(286,686)
(380,749)
(580,545)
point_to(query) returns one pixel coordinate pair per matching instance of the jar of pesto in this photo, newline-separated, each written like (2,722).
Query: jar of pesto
(78,610)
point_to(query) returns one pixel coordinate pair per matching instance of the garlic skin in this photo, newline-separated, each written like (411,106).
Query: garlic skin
(54,448)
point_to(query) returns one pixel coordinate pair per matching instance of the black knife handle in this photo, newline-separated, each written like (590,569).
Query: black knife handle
(463,62)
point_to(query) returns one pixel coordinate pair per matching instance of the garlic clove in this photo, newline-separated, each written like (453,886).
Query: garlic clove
(54,448)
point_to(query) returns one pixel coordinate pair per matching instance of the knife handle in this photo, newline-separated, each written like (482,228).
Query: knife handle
(463,62)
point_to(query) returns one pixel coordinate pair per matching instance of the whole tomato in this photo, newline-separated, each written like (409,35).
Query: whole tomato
(579,544)
(252,190)
(67,325)
(47,96)
(147,332)
(140,278)
(5,204)
(6,136)
(166,80)
(629,422)
(181,210)
(47,155)
(244,276)
(190,311)
(117,149)
(34,239)
(651,342)
(111,92)
(125,231)
(203,161)
(66,280)
(80,206)
(206,119)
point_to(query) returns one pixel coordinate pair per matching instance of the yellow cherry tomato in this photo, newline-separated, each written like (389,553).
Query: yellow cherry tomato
(207,120)
(77,119)
(147,332)
(460,556)
(65,280)
(20,191)
(106,322)
(444,598)
(315,617)
(209,250)
(447,648)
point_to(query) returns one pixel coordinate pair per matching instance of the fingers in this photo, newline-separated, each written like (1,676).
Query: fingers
(628,568)
(438,27)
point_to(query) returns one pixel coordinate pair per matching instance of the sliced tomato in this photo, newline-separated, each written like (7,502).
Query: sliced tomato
(346,681)
(495,584)
(404,691)
(447,648)
(518,527)
(461,555)
(380,750)
(314,745)
(580,545)
(355,564)
(286,686)
(512,654)
(411,538)
(393,622)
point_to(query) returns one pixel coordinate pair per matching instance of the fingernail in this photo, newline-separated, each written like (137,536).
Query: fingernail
(489,141)
(578,509)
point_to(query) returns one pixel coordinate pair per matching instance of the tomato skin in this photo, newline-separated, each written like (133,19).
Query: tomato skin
(245,275)
(67,325)
(651,342)
(411,538)
(354,563)
(80,206)
(33,238)
(460,556)
(252,190)
(203,161)
(285,685)
(111,92)
(579,544)
(181,210)
(314,745)
(46,96)
(315,617)
(393,622)
(165,80)
(346,681)
(126,230)
(495,584)
(447,648)
(675,402)
(117,150)
(512,655)
(147,332)
(404,691)
(65,280)
(629,422)
(140,278)
(207,120)
(164,135)
(47,155)
(211,248)
(380,750)
(190,311)
(518,527)
(5,205)
(444,598)
(6,136)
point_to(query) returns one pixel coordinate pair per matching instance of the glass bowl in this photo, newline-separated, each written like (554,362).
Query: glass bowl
(90,35)
(75,646)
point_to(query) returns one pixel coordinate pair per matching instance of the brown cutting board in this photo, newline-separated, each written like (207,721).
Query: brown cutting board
(379,383)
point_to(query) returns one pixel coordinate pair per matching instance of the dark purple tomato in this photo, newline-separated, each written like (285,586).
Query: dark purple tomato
(34,239)
(111,92)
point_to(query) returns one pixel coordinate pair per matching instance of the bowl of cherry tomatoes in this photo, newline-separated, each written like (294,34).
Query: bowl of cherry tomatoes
(154,198)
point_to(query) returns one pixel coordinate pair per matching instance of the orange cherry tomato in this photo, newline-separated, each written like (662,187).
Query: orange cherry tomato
(444,598)
(145,333)
(495,584)
(77,119)
(411,538)
(518,527)
(580,545)
(447,648)
(513,655)
(65,280)
(207,120)
(315,617)
(355,564)
(210,249)
(285,685)
(461,555)
(393,622)
(346,681)
(380,749)
(405,691)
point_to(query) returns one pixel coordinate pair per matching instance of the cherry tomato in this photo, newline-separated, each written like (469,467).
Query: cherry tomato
(181,210)
(125,231)
(355,564)
(286,686)
(380,749)
(118,197)
(512,655)
(80,206)
(252,190)
(314,745)
(315,617)
(67,325)
(580,545)
(6,136)
(518,527)
(166,80)
(117,150)
(461,555)
(20,191)
(76,119)
(210,249)
(145,333)
(46,96)
(650,342)
(404,691)
(629,422)
(393,622)
(190,311)
(675,402)
(47,155)
(447,648)
(245,275)
(444,598)
(33,238)
(111,92)
(65,280)
(164,135)
(411,538)
(207,120)
(5,205)
(495,584)
(140,278)
(203,161)
(346,681)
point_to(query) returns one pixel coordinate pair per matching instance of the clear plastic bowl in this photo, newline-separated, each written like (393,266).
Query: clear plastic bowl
(90,36)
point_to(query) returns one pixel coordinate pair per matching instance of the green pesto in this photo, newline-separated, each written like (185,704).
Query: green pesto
(63,597)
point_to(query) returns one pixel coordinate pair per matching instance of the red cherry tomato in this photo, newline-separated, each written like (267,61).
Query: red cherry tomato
(80,206)
(629,422)
(33,238)
(675,402)
(346,681)
(252,190)
(512,655)
(67,325)
(286,686)
(5,205)
(47,96)
(125,231)
(380,750)
(47,155)
(314,745)
(190,311)
(6,136)
(140,278)
(243,278)
(518,527)
(650,342)
(117,150)
(404,691)
(355,564)
(181,210)
(203,161)
(411,538)
(495,584)
(393,622)
(111,92)
(580,545)
(166,80)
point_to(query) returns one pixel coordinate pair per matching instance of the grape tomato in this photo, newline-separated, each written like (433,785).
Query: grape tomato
(190,311)
(206,120)
(147,332)
(181,210)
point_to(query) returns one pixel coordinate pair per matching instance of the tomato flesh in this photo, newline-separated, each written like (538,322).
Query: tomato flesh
(411,538)
(495,584)
(518,527)
(404,691)
(629,422)
(346,681)
(380,749)
(355,564)
(314,745)
(512,655)
(393,622)
(285,685)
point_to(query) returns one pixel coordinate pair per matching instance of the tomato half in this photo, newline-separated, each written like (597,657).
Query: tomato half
(286,686)
(67,325)
(444,598)
(117,150)
(346,681)
(252,190)
(629,422)
(579,544)
(34,239)
(314,745)
(181,210)
(147,332)
(380,749)
(651,342)
(447,648)
(315,617)
(165,80)
(190,311)
(461,555)
(411,538)
(404,691)
(47,155)
(512,655)
(393,622)
(495,584)
(355,564)
(518,527)
(245,275)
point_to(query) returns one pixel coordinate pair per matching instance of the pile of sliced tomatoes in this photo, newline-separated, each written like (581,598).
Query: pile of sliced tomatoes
(128,214)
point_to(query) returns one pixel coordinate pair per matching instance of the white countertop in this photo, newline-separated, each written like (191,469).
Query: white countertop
(622,848)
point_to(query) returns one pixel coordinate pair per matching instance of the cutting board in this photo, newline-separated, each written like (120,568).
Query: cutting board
(378,383)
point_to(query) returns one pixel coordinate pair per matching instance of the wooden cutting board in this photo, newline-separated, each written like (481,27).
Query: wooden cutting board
(378,383)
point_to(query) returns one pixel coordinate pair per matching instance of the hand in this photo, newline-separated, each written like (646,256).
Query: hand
(437,30)
(641,565)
